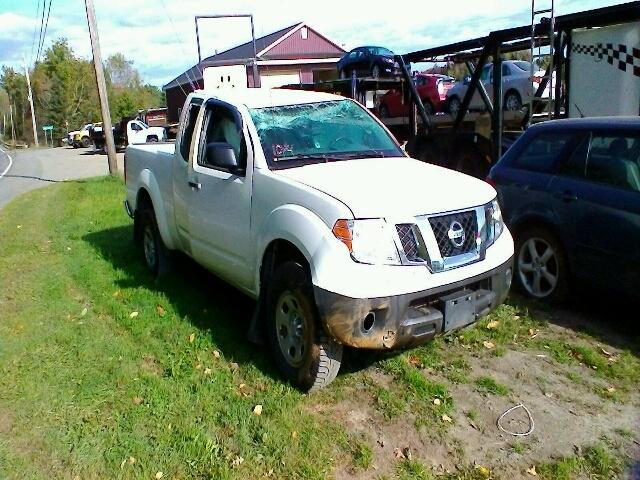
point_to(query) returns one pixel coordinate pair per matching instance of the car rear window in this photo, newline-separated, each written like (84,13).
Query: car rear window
(541,153)
(526,66)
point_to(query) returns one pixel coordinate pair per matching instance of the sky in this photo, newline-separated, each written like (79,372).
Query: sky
(159,35)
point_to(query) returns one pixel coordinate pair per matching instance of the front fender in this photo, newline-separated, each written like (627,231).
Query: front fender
(304,229)
(148,181)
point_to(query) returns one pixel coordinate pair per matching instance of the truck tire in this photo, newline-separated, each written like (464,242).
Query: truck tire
(302,350)
(157,256)
(86,141)
(540,258)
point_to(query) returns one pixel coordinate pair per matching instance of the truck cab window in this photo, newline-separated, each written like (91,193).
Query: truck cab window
(221,127)
(187,134)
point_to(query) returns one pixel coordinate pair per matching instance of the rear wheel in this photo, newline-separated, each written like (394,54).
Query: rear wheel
(156,254)
(512,101)
(453,105)
(86,141)
(542,269)
(303,352)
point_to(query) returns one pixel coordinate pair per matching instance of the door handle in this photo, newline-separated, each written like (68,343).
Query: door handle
(566,196)
(195,185)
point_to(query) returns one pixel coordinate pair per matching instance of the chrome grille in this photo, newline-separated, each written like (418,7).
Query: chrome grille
(408,240)
(441,226)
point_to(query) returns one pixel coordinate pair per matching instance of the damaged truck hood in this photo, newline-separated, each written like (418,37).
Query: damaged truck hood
(393,187)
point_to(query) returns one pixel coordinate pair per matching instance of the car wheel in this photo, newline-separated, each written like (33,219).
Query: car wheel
(453,105)
(156,254)
(542,269)
(303,352)
(375,71)
(152,139)
(384,111)
(428,107)
(512,101)
(86,141)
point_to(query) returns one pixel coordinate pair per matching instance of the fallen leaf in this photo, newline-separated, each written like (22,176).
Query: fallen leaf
(242,385)
(133,314)
(608,354)
(541,355)
(159,475)
(516,317)
(398,453)
(131,460)
(483,471)
(116,294)
(237,461)
(446,418)
(122,463)
(84,312)
(436,401)
(137,400)
(493,324)
(532,471)
(19,226)
(216,353)
(234,366)
(594,367)
(207,371)
(160,310)
(413,360)
(548,394)
(198,366)
(611,389)
(488,345)
(294,434)
(192,337)
(257,410)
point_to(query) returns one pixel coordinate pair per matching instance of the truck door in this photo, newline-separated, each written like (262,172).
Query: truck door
(220,205)
(182,190)
(135,132)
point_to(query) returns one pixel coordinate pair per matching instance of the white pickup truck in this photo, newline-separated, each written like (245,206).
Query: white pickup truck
(305,202)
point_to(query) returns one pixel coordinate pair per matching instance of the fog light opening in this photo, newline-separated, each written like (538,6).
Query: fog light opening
(369,320)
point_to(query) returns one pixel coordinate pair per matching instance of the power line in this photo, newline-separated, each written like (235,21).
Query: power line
(33,42)
(193,83)
(44,33)
(44,4)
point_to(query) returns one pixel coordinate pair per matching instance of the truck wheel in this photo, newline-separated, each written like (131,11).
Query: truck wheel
(302,350)
(86,141)
(542,269)
(156,254)
(512,101)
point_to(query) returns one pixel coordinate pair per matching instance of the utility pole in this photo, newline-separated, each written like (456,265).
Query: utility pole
(33,112)
(13,130)
(102,88)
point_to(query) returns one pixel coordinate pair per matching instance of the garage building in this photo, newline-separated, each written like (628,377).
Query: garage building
(296,54)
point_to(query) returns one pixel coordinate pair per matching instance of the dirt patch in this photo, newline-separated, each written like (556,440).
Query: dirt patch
(6,422)
(564,401)
(150,366)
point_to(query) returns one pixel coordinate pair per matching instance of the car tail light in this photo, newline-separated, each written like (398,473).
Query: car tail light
(441,90)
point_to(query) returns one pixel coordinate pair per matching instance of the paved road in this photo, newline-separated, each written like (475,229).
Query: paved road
(34,168)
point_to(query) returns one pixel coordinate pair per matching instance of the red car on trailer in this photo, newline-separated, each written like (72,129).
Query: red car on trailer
(432,89)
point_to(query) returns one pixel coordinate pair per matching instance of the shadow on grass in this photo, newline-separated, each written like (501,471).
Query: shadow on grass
(207,302)
(606,317)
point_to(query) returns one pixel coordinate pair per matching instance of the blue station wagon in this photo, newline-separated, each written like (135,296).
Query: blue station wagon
(570,194)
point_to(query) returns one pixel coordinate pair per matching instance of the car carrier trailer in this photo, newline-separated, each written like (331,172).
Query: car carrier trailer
(457,142)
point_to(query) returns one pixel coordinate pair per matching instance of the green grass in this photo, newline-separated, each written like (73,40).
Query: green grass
(362,456)
(81,391)
(489,385)
(596,462)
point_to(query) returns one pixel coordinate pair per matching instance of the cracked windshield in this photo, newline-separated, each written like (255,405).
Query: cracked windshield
(320,132)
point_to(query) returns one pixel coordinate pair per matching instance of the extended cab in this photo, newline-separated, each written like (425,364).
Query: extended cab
(305,202)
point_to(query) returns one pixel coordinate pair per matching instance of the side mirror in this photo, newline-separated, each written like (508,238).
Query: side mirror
(221,155)
(466,80)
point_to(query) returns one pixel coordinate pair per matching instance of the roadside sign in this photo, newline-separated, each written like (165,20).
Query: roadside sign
(47,127)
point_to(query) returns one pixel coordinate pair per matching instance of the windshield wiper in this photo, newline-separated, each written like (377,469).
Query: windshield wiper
(319,157)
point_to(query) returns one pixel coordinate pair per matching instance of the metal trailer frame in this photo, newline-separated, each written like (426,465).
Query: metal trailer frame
(503,41)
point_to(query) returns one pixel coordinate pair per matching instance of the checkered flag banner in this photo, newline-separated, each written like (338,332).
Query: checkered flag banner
(620,55)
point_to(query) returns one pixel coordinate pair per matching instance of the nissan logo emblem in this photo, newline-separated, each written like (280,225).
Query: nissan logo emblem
(456,234)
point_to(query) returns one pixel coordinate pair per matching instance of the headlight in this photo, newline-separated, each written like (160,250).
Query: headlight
(388,60)
(369,241)
(494,223)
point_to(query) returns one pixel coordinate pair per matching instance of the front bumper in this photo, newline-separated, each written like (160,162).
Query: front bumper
(411,319)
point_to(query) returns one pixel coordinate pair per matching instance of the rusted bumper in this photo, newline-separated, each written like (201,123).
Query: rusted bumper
(411,319)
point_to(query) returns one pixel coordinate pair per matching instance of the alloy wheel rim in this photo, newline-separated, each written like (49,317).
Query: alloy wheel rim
(512,103)
(454,107)
(149,246)
(538,267)
(291,326)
